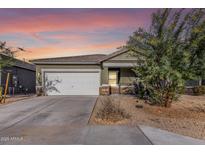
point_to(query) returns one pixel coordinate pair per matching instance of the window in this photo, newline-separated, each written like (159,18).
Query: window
(113,78)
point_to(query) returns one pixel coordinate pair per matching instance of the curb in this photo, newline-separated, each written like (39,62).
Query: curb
(145,135)
(92,111)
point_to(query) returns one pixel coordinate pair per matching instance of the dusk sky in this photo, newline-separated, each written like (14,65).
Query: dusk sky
(67,32)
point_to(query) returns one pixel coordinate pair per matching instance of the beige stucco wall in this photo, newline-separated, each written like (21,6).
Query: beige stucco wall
(123,60)
(104,75)
(66,66)
(127,76)
(124,56)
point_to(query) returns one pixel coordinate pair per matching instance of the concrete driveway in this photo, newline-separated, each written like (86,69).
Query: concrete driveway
(60,120)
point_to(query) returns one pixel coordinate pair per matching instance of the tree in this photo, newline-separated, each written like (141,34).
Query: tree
(169,53)
(9,52)
(7,55)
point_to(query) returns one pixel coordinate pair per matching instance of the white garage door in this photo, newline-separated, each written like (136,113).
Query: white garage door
(72,83)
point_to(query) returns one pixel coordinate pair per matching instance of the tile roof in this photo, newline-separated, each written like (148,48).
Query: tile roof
(83,59)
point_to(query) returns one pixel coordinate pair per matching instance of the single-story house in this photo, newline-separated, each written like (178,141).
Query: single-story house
(22,76)
(87,74)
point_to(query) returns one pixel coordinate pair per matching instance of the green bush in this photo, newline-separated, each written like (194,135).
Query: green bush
(139,90)
(165,57)
(199,90)
(182,90)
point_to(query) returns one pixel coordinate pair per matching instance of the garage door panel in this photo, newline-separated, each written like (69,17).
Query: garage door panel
(72,83)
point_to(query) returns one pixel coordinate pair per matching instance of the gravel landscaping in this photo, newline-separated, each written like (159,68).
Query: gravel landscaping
(186,116)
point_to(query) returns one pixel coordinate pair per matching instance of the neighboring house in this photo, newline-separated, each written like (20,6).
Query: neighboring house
(22,77)
(87,74)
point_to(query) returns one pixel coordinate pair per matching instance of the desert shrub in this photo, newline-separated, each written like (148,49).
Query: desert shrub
(199,90)
(165,57)
(111,112)
(140,91)
(182,90)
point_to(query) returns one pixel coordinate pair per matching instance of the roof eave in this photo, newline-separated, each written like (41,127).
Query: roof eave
(113,55)
(61,63)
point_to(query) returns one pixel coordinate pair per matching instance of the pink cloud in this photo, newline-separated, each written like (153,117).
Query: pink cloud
(65,37)
(86,31)
(65,22)
(56,51)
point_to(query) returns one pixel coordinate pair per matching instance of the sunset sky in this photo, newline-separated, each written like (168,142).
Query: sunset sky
(67,32)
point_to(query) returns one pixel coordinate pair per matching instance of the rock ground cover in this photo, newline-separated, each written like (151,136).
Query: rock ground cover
(186,116)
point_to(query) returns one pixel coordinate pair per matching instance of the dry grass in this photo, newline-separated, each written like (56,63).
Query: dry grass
(110,111)
(186,116)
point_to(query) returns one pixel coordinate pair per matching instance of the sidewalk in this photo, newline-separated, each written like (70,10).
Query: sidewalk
(10,99)
(162,137)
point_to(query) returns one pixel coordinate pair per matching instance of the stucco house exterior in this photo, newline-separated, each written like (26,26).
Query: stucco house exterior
(96,74)
(86,75)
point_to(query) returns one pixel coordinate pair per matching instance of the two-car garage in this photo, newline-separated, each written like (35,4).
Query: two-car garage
(74,75)
(72,82)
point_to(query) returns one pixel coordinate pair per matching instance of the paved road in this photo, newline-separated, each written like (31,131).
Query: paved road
(60,120)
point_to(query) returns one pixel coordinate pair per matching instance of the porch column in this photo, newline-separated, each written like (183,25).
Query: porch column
(104,75)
